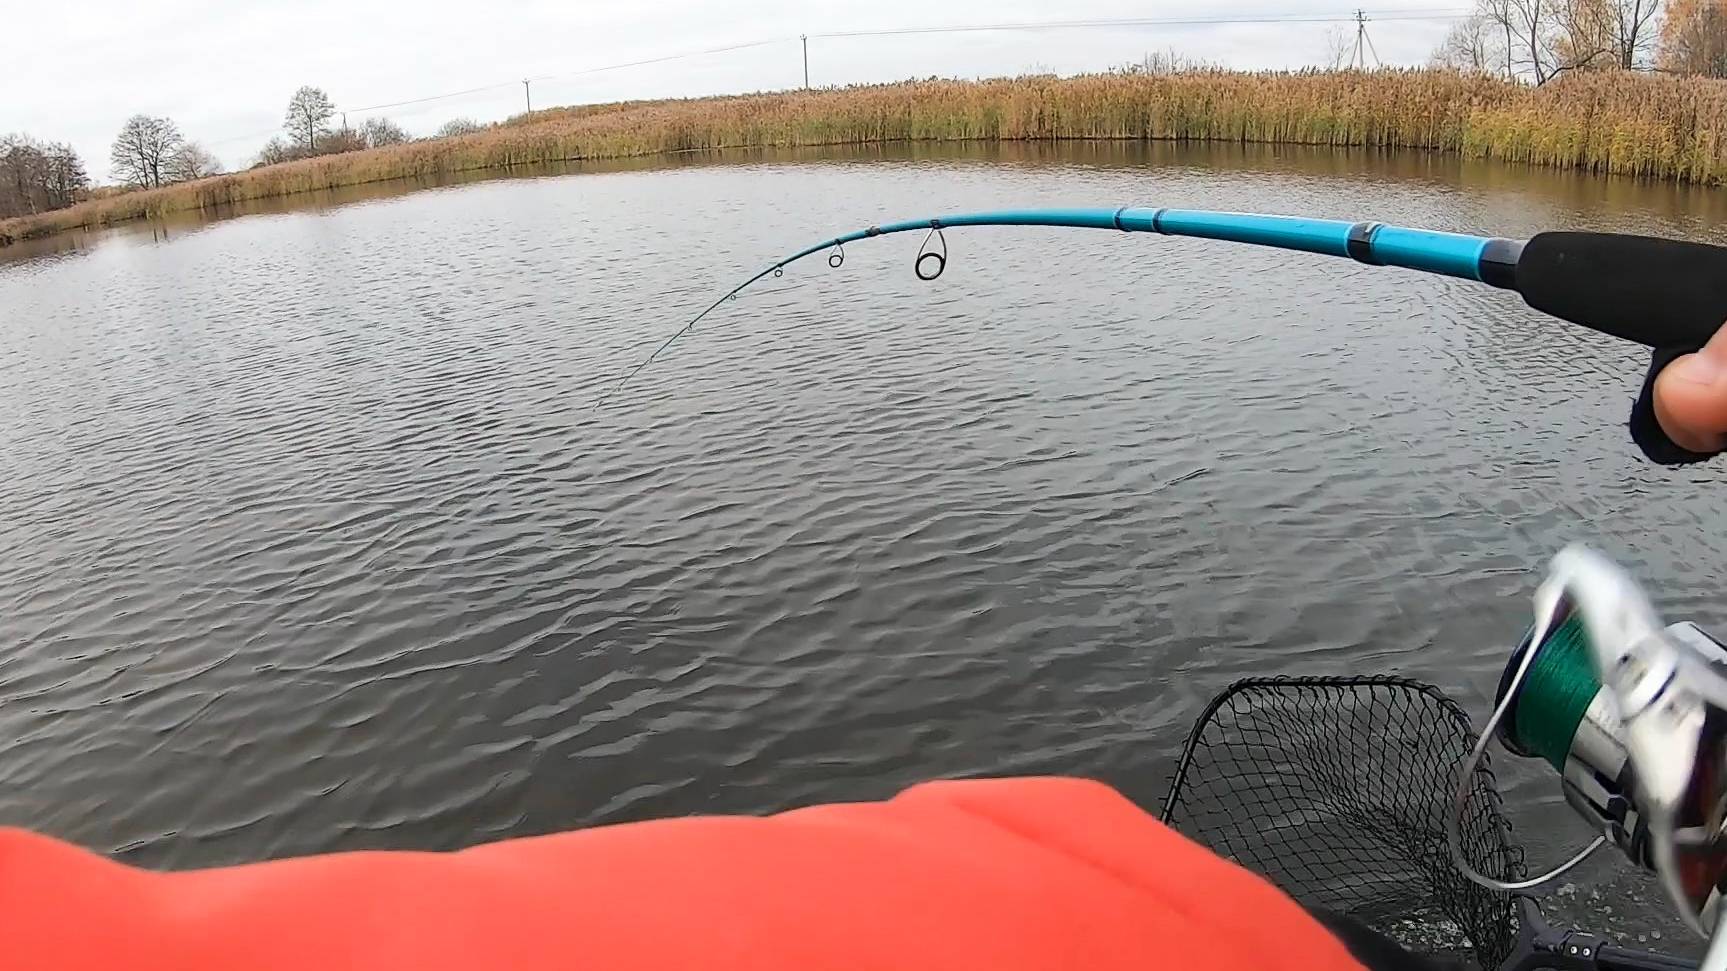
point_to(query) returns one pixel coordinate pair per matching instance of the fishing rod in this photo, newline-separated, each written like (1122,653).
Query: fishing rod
(1654,291)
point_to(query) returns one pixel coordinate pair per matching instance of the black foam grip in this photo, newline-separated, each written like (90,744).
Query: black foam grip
(1659,292)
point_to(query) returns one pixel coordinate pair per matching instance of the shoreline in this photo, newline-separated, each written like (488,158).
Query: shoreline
(1661,128)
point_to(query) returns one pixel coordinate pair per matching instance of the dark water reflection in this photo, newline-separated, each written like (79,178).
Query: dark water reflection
(313,539)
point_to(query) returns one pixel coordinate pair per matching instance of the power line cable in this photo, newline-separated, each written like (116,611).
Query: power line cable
(434,97)
(668,57)
(1408,14)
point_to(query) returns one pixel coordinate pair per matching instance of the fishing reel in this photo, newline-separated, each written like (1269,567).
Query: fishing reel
(1633,716)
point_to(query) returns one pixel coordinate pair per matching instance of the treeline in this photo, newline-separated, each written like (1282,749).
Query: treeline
(151,153)
(308,132)
(1536,41)
(38,176)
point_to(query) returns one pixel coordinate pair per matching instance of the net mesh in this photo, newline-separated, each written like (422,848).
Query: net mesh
(1337,789)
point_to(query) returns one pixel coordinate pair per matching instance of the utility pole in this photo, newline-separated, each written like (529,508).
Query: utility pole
(528,95)
(1363,43)
(806,39)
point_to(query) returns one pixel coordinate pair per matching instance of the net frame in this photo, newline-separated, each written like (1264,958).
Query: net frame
(1337,790)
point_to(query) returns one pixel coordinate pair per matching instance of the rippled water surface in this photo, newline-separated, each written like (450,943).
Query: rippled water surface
(313,538)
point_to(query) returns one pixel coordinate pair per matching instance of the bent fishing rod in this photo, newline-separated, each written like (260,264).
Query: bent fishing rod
(1658,292)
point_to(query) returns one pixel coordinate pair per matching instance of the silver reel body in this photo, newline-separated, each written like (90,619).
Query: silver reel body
(1647,762)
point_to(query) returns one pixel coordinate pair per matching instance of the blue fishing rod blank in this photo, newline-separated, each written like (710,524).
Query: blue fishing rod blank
(1479,258)
(1663,293)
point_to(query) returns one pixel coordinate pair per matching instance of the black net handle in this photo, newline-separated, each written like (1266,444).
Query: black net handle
(1541,947)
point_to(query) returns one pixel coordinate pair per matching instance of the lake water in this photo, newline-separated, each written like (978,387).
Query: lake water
(313,538)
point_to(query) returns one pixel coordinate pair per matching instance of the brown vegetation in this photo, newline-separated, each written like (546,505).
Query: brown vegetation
(1694,37)
(1656,127)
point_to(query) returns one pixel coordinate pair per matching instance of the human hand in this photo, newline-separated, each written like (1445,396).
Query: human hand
(1691,397)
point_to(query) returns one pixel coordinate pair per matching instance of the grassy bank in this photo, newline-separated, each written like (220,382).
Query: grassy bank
(1646,126)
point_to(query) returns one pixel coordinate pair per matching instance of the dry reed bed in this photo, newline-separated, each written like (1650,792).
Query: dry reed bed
(1651,127)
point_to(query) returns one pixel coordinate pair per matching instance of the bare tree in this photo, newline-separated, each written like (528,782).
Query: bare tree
(1585,35)
(275,152)
(1634,31)
(193,161)
(308,118)
(459,126)
(1533,21)
(380,132)
(142,151)
(341,140)
(1694,38)
(1530,32)
(1501,19)
(1339,47)
(63,175)
(1538,40)
(20,174)
(38,176)
(1469,46)
(1599,35)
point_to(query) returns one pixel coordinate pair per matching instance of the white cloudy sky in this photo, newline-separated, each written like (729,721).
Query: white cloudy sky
(223,69)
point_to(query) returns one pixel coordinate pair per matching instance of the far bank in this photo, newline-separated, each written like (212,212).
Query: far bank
(1642,126)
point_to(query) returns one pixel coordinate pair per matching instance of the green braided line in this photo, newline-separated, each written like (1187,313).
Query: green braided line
(1556,693)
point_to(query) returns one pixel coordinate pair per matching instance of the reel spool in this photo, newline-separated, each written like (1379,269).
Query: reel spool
(1562,716)
(1662,711)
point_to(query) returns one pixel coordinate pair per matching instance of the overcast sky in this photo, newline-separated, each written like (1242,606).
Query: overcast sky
(223,69)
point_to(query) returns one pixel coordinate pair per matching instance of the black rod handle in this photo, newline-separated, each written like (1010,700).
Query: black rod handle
(1611,957)
(1659,292)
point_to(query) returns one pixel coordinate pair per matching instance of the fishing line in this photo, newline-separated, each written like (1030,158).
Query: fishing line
(776,270)
(1549,615)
